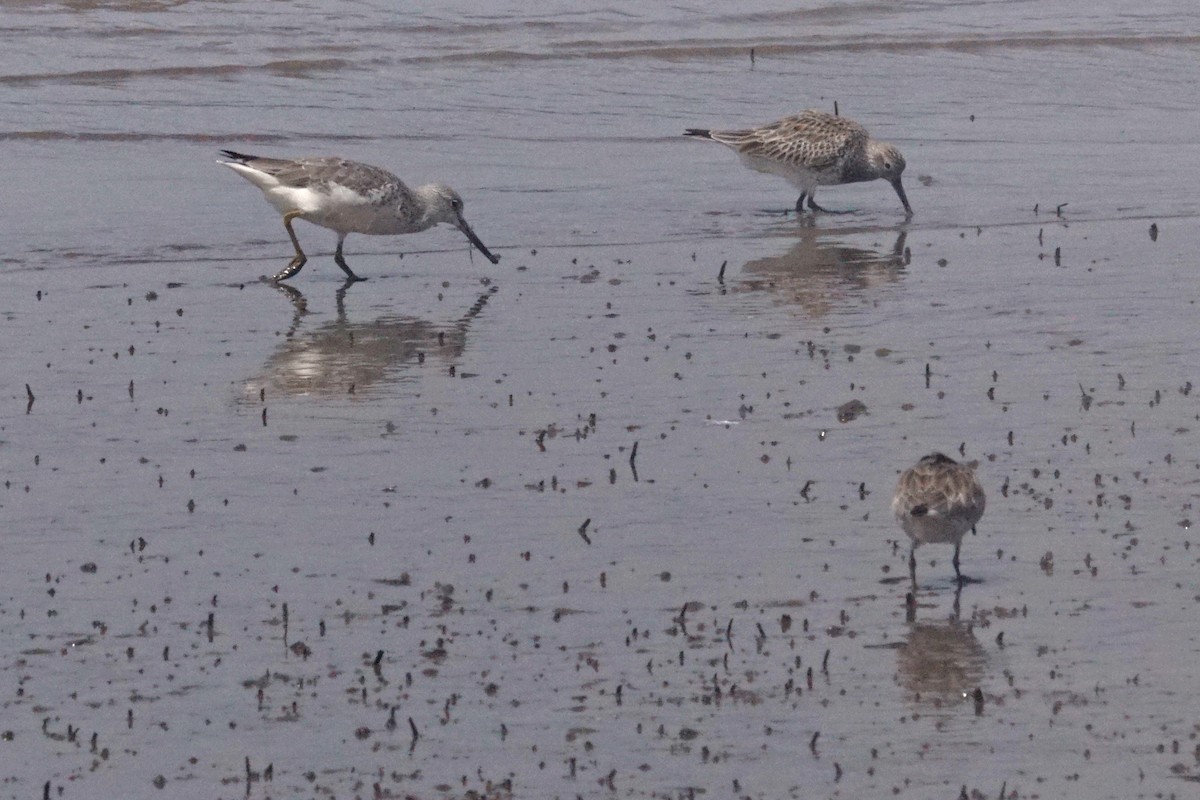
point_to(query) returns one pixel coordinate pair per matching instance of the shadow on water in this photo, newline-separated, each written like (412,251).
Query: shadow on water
(941,663)
(343,357)
(820,274)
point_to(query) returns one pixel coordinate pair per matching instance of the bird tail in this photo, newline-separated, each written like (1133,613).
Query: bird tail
(241,158)
(701,133)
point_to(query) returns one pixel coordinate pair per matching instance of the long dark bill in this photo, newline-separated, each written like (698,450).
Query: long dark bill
(465,228)
(899,187)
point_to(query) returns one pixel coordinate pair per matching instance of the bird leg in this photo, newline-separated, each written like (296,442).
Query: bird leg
(341,262)
(912,565)
(299,259)
(800,203)
(957,573)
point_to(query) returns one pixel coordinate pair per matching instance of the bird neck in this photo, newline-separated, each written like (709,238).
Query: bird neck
(430,202)
(860,167)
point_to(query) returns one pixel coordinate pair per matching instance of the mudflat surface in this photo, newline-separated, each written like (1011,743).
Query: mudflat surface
(394,539)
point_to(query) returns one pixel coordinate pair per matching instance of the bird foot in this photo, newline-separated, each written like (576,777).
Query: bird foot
(341,262)
(294,266)
(824,210)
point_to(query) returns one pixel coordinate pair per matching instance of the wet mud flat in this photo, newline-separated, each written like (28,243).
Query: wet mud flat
(395,539)
(611,518)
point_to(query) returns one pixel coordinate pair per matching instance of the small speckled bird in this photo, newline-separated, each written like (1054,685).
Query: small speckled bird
(937,501)
(814,149)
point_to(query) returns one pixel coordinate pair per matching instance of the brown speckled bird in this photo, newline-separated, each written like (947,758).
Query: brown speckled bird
(814,149)
(937,501)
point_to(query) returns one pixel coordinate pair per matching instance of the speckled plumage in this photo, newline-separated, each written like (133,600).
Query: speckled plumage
(348,197)
(814,149)
(937,501)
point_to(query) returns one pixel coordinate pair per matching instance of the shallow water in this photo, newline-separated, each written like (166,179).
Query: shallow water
(249,527)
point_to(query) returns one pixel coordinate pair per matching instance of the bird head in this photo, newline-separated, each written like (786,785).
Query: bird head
(887,161)
(443,204)
(888,164)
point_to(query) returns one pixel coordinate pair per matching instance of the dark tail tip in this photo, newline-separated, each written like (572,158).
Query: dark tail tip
(230,154)
(919,511)
(702,133)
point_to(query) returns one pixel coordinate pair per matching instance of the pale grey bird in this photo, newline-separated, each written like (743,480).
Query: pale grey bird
(937,501)
(814,149)
(348,197)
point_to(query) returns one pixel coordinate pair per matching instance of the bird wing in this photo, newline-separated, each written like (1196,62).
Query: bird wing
(938,492)
(811,139)
(321,173)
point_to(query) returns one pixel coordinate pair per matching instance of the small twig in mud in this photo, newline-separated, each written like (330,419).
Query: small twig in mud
(583,530)
(721,273)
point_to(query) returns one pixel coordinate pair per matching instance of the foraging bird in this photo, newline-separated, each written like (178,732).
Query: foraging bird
(348,197)
(814,149)
(937,501)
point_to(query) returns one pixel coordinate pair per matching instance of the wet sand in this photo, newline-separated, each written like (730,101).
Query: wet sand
(394,539)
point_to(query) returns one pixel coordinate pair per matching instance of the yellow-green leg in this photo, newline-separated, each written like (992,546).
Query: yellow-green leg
(299,260)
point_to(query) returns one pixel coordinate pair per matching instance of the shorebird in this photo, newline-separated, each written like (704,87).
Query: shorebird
(348,197)
(937,501)
(814,149)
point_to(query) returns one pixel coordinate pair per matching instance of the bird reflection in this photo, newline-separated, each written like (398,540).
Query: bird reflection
(341,357)
(941,662)
(819,274)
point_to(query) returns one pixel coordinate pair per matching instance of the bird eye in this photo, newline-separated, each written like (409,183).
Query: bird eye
(887,165)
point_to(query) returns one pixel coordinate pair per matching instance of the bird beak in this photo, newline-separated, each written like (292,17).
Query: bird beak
(899,187)
(465,228)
